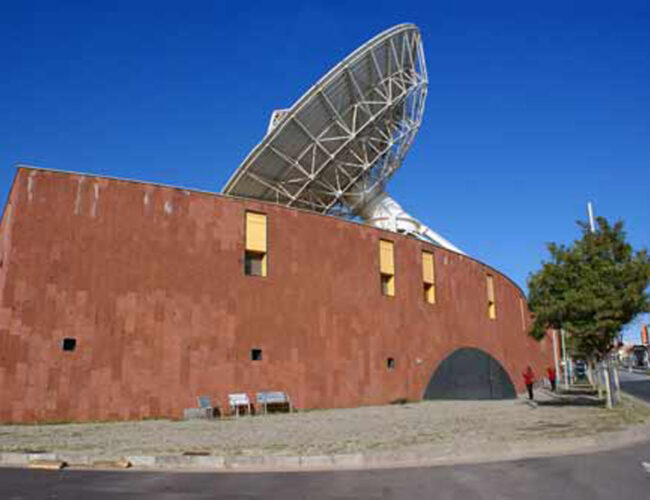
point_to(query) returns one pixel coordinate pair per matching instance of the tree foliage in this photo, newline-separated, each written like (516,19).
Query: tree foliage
(591,288)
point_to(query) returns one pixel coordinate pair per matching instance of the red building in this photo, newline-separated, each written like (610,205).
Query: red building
(126,300)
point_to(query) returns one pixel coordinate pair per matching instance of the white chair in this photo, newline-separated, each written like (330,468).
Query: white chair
(238,401)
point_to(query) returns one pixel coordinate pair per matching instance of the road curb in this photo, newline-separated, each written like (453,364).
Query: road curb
(424,456)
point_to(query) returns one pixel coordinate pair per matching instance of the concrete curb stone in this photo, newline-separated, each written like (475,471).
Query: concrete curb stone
(41,456)
(247,462)
(142,460)
(77,459)
(47,464)
(192,462)
(121,463)
(11,458)
(316,461)
(282,462)
(353,460)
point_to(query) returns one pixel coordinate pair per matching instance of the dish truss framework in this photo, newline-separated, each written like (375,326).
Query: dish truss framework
(335,149)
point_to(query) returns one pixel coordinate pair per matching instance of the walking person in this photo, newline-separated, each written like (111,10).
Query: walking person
(529,380)
(552,377)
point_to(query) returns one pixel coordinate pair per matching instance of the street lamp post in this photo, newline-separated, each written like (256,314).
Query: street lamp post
(565,359)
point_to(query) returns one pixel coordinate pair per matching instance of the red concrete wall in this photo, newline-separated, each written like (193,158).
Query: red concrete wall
(150,282)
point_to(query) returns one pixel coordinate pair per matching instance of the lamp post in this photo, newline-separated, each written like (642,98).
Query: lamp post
(566,360)
(556,353)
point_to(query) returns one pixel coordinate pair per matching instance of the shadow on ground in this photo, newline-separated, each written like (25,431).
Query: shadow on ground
(573,401)
(586,396)
(586,391)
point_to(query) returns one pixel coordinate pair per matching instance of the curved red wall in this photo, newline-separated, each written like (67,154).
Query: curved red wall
(150,282)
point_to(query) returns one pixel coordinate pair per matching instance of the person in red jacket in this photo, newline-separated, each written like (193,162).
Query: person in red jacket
(551,377)
(529,380)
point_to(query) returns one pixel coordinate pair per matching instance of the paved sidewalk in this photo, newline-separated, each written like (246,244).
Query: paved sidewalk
(417,433)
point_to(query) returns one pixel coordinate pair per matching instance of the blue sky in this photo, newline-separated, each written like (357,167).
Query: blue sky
(534,108)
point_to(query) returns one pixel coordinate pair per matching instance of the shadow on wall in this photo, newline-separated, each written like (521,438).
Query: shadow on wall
(470,373)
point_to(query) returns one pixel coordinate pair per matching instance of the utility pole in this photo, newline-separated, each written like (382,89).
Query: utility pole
(566,361)
(555,354)
(590,211)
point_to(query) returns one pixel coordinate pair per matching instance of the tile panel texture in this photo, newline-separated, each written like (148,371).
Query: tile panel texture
(150,282)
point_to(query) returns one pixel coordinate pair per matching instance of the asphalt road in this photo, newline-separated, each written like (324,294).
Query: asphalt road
(636,384)
(607,475)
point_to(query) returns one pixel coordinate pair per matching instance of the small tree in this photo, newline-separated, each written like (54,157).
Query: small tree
(591,288)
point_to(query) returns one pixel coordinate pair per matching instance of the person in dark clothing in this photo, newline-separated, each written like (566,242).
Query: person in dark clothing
(529,380)
(551,377)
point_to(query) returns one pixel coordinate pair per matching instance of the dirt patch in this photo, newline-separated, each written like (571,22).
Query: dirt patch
(380,428)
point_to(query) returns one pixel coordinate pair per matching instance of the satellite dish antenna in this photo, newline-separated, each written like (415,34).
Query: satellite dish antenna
(334,150)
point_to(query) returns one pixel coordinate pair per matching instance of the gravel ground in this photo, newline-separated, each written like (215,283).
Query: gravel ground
(378,428)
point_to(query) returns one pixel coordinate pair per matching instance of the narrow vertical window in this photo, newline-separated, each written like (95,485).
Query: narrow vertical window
(256,255)
(387,267)
(492,306)
(428,278)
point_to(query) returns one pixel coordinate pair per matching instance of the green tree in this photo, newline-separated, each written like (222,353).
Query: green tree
(591,288)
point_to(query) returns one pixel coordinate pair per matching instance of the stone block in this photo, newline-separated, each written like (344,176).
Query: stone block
(197,413)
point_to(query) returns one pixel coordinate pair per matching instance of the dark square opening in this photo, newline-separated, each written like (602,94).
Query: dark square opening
(428,292)
(390,363)
(69,344)
(256,354)
(253,263)
(386,284)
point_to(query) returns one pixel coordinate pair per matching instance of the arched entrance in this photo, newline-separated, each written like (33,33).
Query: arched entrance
(470,373)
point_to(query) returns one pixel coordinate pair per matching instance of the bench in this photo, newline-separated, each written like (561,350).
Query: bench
(274,399)
(205,409)
(206,404)
(238,401)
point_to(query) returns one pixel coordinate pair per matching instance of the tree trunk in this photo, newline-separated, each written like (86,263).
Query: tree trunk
(599,378)
(608,385)
(590,373)
(617,384)
(596,376)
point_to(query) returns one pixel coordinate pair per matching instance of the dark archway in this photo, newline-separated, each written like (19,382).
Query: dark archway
(470,373)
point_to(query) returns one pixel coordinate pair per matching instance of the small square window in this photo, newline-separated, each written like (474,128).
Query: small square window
(390,363)
(69,344)
(254,263)
(256,354)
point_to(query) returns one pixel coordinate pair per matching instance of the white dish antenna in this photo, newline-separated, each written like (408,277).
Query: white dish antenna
(333,151)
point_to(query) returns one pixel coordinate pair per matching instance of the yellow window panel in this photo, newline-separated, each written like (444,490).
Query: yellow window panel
(255,232)
(490,288)
(427,268)
(386,259)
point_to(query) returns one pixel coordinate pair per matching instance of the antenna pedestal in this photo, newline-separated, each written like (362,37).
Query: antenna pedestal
(384,212)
